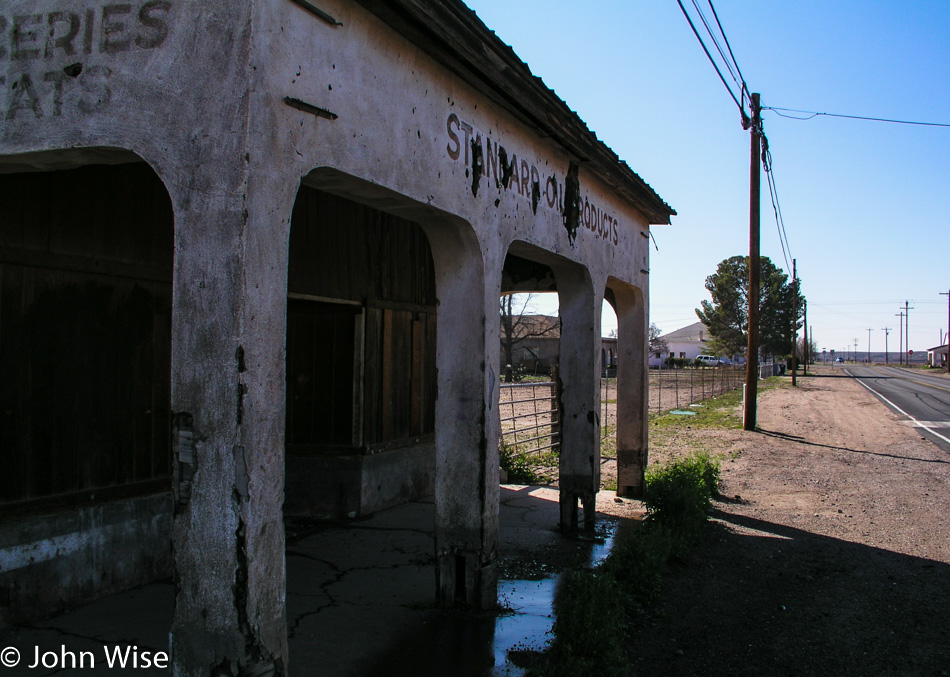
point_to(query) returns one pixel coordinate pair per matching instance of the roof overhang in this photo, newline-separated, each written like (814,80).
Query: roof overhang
(454,36)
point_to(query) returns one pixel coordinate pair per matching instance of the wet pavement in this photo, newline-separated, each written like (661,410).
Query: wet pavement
(360,599)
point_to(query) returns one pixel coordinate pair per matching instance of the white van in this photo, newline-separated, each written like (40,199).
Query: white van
(707,360)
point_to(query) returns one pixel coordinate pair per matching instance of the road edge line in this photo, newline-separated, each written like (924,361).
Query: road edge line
(919,423)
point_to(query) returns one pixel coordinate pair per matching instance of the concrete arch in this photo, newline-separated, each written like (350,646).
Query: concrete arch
(465,435)
(89,243)
(578,381)
(629,302)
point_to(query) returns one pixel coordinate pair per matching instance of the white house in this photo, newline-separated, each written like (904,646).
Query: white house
(687,342)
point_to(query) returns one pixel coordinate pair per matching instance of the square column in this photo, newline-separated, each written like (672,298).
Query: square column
(632,389)
(578,395)
(466,482)
(228,408)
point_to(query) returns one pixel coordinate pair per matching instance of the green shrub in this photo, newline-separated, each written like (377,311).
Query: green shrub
(595,608)
(516,465)
(679,495)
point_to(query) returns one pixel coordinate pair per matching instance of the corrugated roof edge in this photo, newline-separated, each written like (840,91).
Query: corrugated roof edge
(453,34)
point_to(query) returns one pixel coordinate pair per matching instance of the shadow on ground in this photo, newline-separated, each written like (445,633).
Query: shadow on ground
(758,598)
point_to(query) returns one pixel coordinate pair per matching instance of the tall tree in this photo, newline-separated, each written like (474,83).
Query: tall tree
(518,324)
(727,315)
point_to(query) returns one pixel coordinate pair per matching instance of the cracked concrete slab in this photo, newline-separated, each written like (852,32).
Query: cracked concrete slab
(360,597)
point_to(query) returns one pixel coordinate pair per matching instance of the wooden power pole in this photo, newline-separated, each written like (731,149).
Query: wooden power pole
(947,294)
(752,351)
(794,323)
(900,333)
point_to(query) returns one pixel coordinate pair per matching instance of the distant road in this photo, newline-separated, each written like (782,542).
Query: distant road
(922,398)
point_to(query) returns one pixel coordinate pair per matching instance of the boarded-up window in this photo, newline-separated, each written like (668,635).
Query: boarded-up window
(320,368)
(379,267)
(400,375)
(85,334)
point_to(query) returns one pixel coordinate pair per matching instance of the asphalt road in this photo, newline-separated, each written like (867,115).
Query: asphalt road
(921,398)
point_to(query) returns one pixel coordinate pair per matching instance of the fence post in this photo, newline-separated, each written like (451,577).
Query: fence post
(676,385)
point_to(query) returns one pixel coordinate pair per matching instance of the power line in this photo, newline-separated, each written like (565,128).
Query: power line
(745,87)
(813,114)
(725,59)
(776,205)
(709,56)
(736,73)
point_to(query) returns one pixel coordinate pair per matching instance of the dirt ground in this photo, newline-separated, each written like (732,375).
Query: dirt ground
(828,552)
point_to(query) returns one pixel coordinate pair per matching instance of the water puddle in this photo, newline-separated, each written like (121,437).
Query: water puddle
(501,644)
(525,628)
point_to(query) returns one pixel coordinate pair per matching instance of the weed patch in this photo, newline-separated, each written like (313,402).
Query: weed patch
(680,493)
(596,607)
(517,465)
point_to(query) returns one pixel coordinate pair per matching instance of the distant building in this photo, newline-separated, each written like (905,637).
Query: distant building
(534,340)
(937,356)
(688,342)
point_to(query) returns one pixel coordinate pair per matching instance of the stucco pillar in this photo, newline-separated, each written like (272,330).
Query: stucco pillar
(466,438)
(632,389)
(579,370)
(227,401)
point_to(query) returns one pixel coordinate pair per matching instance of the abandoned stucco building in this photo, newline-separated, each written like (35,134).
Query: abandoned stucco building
(256,245)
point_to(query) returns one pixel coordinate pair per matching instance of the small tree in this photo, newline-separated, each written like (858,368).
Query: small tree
(807,351)
(658,344)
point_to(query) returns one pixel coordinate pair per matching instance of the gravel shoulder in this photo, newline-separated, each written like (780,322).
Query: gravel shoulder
(828,552)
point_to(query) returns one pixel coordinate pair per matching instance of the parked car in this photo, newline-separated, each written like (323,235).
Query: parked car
(707,360)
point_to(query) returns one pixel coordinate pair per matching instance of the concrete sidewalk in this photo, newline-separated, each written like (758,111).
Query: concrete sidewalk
(360,599)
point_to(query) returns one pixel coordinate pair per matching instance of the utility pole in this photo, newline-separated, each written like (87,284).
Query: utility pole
(855,353)
(869,345)
(794,322)
(752,350)
(886,330)
(900,333)
(947,294)
(907,310)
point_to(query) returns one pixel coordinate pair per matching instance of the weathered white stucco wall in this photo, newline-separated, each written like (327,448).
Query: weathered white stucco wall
(197,89)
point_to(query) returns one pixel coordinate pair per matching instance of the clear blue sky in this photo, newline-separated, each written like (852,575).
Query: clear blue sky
(865,204)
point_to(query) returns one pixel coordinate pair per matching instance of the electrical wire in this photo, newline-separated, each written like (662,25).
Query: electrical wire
(713,62)
(735,73)
(722,54)
(745,88)
(813,114)
(776,204)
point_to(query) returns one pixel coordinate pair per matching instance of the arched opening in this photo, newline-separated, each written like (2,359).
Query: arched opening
(385,295)
(609,341)
(86,259)
(571,429)
(361,372)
